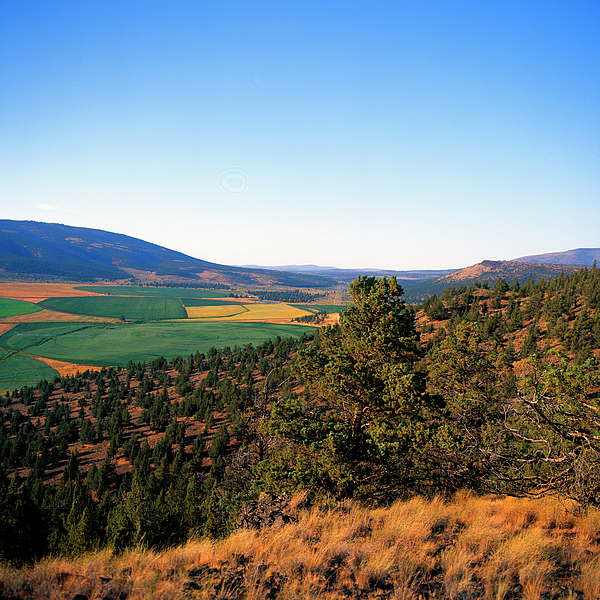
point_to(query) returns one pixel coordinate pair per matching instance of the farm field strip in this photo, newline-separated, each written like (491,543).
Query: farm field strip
(46,315)
(106,345)
(36,292)
(130,307)
(193,302)
(211,312)
(4,327)
(268,312)
(64,368)
(13,308)
(17,370)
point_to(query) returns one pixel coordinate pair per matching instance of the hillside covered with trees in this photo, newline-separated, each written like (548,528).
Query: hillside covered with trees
(487,389)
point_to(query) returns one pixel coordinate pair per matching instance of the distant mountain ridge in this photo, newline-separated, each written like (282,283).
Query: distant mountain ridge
(31,249)
(54,251)
(579,256)
(349,275)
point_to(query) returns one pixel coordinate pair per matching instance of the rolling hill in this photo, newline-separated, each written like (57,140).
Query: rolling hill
(50,251)
(579,256)
(490,271)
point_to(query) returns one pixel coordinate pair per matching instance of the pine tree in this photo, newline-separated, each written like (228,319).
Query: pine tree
(364,414)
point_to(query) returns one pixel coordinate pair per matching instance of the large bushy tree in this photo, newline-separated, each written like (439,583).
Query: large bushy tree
(358,429)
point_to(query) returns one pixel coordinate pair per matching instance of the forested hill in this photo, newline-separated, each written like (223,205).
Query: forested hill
(562,313)
(487,272)
(485,388)
(30,249)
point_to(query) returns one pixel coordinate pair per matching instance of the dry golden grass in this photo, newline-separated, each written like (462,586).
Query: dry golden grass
(65,368)
(470,548)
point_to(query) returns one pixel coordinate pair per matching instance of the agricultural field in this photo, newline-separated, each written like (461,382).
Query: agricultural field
(69,326)
(268,311)
(132,308)
(215,311)
(17,371)
(117,344)
(13,308)
(46,315)
(194,302)
(36,292)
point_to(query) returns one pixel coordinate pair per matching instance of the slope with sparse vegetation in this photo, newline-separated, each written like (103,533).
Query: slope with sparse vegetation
(300,455)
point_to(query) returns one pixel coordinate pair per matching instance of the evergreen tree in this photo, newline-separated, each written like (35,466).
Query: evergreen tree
(358,430)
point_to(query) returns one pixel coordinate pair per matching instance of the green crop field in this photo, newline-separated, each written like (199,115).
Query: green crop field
(132,308)
(117,344)
(17,371)
(130,290)
(13,308)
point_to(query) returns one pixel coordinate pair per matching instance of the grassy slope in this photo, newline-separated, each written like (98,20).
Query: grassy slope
(470,548)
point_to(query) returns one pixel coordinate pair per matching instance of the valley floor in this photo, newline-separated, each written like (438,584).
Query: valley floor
(469,548)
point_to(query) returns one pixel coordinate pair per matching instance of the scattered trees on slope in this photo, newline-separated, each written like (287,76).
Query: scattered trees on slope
(368,411)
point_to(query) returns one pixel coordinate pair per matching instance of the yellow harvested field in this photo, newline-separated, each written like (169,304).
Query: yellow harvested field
(268,312)
(36,292)
(53,315)
(210,312)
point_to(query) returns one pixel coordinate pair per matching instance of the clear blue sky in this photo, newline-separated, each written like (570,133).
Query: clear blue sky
(399,135)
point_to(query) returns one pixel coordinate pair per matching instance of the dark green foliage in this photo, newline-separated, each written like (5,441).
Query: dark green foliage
(23,532)
(353,433)
(286,296)
(553,429)
(434,308)
(474,380)
(166,498)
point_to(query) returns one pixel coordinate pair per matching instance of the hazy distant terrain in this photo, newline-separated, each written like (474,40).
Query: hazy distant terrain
(579,256)
(347,275)
(50,251)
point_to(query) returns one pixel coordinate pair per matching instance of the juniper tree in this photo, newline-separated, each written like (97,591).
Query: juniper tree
(358,429)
